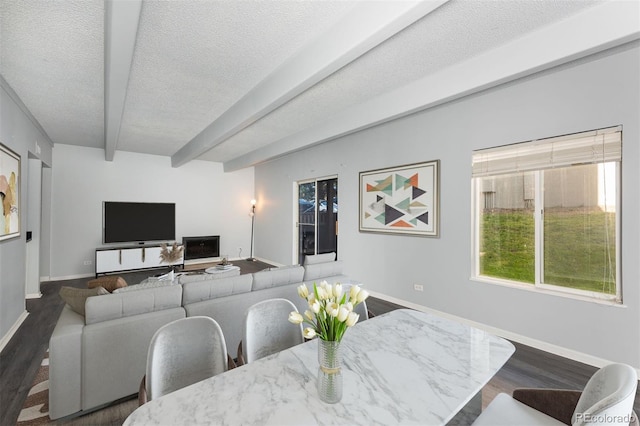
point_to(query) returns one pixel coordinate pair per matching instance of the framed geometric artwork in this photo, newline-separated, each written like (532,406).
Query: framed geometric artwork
(9,193)
(401,200)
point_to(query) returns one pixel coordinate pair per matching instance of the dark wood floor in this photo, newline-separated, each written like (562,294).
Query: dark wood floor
(20,359)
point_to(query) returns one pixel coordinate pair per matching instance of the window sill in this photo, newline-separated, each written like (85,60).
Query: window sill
(530,287)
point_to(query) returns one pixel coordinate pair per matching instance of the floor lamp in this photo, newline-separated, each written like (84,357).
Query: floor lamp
(253,218)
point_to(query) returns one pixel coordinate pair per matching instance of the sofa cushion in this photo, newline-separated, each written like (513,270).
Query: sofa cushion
(317,271)
(143,286)
(213,288)
(108,282)
(120,305)
(229,311)
(319,258)
(203,276)
(194,277)
(76,297)
(277,277)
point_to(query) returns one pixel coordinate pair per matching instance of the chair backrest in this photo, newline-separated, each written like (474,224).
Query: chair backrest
(267,329)
(608,397)
(184,352)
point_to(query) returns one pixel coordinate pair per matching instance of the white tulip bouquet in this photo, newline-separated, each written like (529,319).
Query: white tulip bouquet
(330,311)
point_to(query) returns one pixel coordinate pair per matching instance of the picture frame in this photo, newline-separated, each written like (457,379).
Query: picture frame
(9,193)
(401,200)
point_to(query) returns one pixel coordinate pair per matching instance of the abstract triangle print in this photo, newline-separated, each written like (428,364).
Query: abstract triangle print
(378,206)
(404,183)
(400,199)
(391,214)
(401,182)
(424,218)
(401,224)
(417,192)
(404,204)
(384,185)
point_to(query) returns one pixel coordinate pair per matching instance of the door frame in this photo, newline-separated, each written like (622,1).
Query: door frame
(296,213)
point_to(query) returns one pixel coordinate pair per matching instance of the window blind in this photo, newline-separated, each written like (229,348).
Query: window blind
(596,146)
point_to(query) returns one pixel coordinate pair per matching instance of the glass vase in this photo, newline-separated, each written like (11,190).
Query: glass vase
(329,372)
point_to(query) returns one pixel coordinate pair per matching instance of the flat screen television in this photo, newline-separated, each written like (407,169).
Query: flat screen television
(125,222)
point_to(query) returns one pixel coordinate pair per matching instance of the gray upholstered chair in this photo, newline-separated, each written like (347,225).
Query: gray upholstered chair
(181,353)
(606,399)
(267,330)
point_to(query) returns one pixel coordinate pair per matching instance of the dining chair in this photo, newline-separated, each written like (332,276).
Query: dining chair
(267,330)
(606,399)
(181,353)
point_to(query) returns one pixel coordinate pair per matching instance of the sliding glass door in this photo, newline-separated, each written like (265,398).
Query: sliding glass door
(317,217)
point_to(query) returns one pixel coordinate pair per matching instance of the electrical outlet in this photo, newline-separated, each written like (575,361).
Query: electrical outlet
(87,262)
(418,287)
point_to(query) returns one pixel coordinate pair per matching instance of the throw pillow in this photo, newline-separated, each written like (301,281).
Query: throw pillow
(109,283)
(75,297)
(319,258)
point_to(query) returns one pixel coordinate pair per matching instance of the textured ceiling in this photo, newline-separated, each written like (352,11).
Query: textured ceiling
(236,82)
(454,32)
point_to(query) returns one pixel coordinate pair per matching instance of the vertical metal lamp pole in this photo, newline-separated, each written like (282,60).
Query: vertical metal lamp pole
(253,217)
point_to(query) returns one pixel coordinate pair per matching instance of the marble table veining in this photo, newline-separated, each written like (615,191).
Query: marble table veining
(403,367)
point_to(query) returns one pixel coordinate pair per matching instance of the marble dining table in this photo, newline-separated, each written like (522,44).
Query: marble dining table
(404,367)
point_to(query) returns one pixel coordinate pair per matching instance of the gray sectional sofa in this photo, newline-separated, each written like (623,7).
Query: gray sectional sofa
(100,357)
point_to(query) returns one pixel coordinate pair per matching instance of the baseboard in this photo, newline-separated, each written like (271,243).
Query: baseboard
(528,341)
(34,295)
(202,260)
(270,262)
(72,277)
(7,337)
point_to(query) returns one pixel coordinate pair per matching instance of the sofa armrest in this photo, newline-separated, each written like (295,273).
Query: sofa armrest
(65,365)
(557,403)
(114,355)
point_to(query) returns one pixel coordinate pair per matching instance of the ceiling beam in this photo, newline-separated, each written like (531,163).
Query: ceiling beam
(366,26)
(121,19)
(617,24)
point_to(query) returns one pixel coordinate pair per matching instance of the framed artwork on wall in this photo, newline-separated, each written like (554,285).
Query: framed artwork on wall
(401,200)
(9,193)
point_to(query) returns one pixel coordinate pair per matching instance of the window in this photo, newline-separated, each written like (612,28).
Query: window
(546,214)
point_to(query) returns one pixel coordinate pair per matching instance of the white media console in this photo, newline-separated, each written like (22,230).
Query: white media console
(120,259)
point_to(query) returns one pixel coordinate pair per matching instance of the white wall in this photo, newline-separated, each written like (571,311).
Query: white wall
(208,201)
(596,92)
(21,135)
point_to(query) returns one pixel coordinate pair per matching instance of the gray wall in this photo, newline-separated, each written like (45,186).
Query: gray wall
(208,201)
(21,135)
(597,92)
